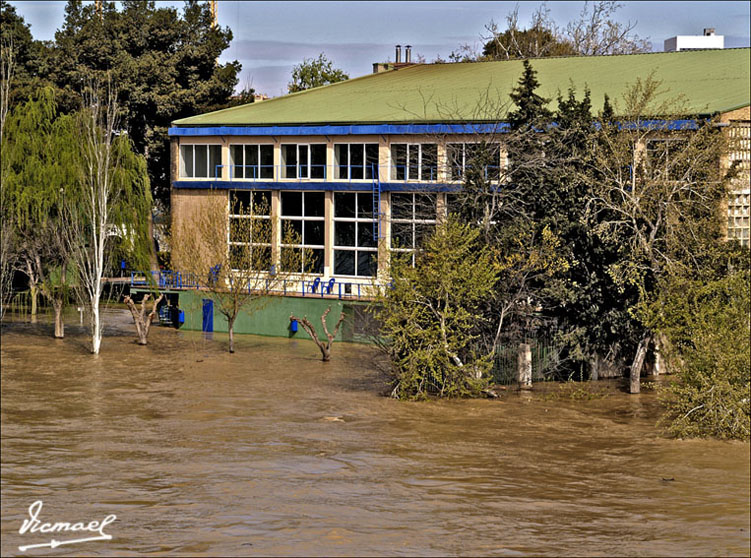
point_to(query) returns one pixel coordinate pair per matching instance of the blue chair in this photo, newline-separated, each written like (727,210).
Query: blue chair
(314,286)
(329,285)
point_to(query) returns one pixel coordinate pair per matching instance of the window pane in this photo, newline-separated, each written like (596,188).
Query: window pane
(260,231)
(261,203)
(317,161)
(364,206)
(291,259)
(289,161)
(494,162)
(251,161)
(344,234)
(313,233)
(454,154)
(365,235)
(314,204)
(315,264)
(344,205)
(236,161)
(371,160)
(366,263)
(398,161)
(413,163)
(267,161)
(422,233)
(302,159)
(239,230)
(401,235)
(294,227)
(357,161)
(215,161)
(429,161)
(425,206)
(240,202)
(341,160)
(202,163)
(344,262)
(292,203)
(186,161)
(401,206)
(261,258)
(239,256)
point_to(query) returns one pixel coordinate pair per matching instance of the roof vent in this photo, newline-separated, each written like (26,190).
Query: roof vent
(709,31)
(398,53)
(408,54)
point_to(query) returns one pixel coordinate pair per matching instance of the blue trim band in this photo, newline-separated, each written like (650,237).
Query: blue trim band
(314,186)
(356,130)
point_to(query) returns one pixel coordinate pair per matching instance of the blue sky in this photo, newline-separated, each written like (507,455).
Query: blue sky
(271,37)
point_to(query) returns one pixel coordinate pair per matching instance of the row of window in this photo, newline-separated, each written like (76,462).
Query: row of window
(352,161)
(413,217)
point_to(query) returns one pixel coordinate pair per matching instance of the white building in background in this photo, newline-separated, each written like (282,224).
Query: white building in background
(695,42)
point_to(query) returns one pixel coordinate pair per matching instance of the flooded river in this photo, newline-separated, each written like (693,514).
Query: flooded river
(271,452)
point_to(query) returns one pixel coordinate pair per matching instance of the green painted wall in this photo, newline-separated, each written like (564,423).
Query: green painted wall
(271,316)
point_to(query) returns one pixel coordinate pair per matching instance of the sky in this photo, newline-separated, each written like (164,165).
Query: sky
(271,37)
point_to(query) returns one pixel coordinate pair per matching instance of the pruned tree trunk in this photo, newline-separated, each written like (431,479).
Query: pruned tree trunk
(524,366)
(638,364)
(57,306)
(141,318)
(594,368)
(231,330)
(324,347)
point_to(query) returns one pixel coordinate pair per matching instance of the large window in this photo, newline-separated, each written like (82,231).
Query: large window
(200,161)
(414,161)
(355,245)
(463,157)
(739,202)
(303,214)
(250,230)
(251,161)
(413,218)
(304,161)
(355,161)
(664,159)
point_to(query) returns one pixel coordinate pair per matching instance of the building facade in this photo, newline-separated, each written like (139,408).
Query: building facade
(367,165)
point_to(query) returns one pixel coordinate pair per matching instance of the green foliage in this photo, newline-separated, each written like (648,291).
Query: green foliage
(708,332)
(432,313)
(315,72)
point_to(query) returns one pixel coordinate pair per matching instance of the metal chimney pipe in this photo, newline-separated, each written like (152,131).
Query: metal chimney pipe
(408,53)
(398,53)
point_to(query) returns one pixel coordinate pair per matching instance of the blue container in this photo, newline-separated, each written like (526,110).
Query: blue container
(293,326)
(181,317)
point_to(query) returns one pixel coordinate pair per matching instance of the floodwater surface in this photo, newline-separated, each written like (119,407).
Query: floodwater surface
(272,452)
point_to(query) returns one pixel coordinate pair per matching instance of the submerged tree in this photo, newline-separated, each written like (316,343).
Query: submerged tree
(141,318)
(238,277)
(110,198)
(323,346)
(432,313)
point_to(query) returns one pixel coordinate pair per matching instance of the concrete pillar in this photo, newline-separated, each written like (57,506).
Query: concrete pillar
(328,235)
(524,366)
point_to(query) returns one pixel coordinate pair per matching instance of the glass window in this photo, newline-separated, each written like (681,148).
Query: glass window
(413,218)
(355,242)
(356,161)
(462,157)
(304,161)
(414,161)
(303,217)
(250,230)
(251,161)
(201,161)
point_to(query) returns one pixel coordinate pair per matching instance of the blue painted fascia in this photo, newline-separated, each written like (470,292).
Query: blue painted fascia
(336,130)
(313,186)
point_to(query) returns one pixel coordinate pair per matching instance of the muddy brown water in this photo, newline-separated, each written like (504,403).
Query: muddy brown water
(271,452)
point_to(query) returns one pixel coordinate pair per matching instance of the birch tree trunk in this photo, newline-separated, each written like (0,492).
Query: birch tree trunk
(57,306)
(524,371)
(638,364)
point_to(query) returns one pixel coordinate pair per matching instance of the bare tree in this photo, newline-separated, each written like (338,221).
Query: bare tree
(325,347)
(656,192)
(596,32)
(111,198)
(141,318)
(239,275)
(7,259)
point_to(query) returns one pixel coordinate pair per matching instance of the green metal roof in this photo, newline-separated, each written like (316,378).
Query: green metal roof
(712,81)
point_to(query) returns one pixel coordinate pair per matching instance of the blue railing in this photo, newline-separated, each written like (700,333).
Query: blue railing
(176,280)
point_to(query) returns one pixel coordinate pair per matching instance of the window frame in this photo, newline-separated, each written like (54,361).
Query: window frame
(366,170)
(413,220)
(251,215)
(357,249)
(284,166)
(303,246)
(193,146)
(258,166)
(420,164)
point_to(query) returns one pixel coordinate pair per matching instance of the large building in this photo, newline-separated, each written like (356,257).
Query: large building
(352,166)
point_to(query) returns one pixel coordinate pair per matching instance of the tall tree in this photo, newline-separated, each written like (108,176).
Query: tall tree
(315,72)
(111,197)
(165,64)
